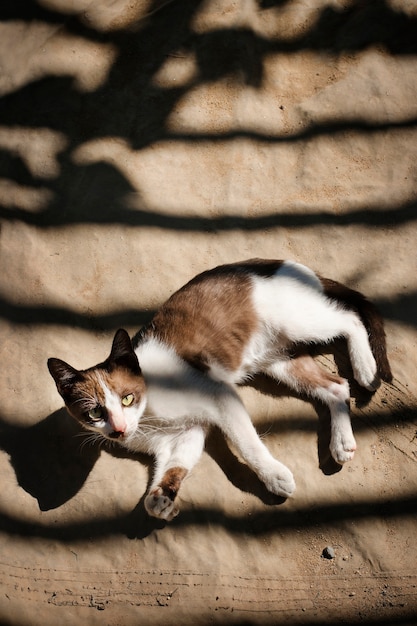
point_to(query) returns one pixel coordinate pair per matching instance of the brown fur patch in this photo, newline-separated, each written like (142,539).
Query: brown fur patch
(310,375)
(84,395)
(88,392)
(171,481)
(123,382)
(212,318)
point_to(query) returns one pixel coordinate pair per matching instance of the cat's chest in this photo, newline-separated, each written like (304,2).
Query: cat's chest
(174,389)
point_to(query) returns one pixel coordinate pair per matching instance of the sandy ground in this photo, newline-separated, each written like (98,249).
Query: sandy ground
(140,143)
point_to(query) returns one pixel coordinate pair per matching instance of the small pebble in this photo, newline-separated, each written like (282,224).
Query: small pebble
(328,553)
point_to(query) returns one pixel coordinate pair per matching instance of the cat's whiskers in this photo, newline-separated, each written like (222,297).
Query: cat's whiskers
(91,439)
(264,434)
(151,426)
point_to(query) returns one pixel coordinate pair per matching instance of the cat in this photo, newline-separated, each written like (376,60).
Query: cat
(160,392)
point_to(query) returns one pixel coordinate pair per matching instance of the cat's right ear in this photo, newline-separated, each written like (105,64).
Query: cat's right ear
(63,374)
(122,352)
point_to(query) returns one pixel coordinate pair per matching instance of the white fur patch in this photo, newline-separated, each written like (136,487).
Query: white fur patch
(174,389)
(293,305)
(300,274)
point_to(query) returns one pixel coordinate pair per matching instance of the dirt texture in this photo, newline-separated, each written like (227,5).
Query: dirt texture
(141,143)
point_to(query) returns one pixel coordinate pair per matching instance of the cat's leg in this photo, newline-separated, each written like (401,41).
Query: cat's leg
(363,362)
(304,375)
(235,423)
(175,456)
(326,322)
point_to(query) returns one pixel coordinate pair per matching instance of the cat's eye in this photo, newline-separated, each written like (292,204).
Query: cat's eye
(96,414)
(128,399)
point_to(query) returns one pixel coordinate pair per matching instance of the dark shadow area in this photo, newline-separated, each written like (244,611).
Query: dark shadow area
(355,27)
(138,525)
(28,11)
(92,208)
(362,25)
(330,127)
(49,460)
(236,472)
(53,459)
(269,4)
(41,315)
(282,518)
(402,308)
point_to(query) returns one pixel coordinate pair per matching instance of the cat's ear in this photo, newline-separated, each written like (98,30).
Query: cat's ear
(122,353)
(63,374)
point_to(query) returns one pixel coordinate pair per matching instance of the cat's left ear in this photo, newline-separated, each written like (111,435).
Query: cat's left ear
(64,375)
(122,353)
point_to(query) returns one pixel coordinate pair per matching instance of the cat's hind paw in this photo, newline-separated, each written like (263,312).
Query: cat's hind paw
(159,505)
(366,373)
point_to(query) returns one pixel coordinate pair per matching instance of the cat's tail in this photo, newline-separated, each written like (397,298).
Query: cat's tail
(370,317)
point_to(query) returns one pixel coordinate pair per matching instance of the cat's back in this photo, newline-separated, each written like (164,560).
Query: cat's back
(215,316)
(212,317)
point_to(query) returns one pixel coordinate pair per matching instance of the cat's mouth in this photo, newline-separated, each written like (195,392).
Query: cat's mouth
(115,435)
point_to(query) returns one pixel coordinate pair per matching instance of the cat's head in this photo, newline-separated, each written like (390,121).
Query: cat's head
(108,398)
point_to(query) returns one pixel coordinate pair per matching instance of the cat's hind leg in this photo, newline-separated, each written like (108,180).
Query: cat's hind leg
(363,362)
(337,322)
(175,456)
(310,317)
(305,376)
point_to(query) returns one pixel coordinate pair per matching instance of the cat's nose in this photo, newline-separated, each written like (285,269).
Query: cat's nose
(118,424)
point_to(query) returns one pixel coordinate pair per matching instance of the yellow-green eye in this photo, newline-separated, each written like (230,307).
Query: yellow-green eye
(95,414)
(127,400)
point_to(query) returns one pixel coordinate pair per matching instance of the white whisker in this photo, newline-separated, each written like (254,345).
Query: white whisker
(91,439)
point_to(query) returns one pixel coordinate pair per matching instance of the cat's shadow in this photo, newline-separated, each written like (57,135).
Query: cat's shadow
(53,458)
(49,460)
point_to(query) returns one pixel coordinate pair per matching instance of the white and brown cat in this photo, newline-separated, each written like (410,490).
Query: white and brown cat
(160,393)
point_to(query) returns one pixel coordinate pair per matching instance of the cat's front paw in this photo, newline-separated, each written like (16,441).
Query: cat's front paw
(279,481)
(159,505)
